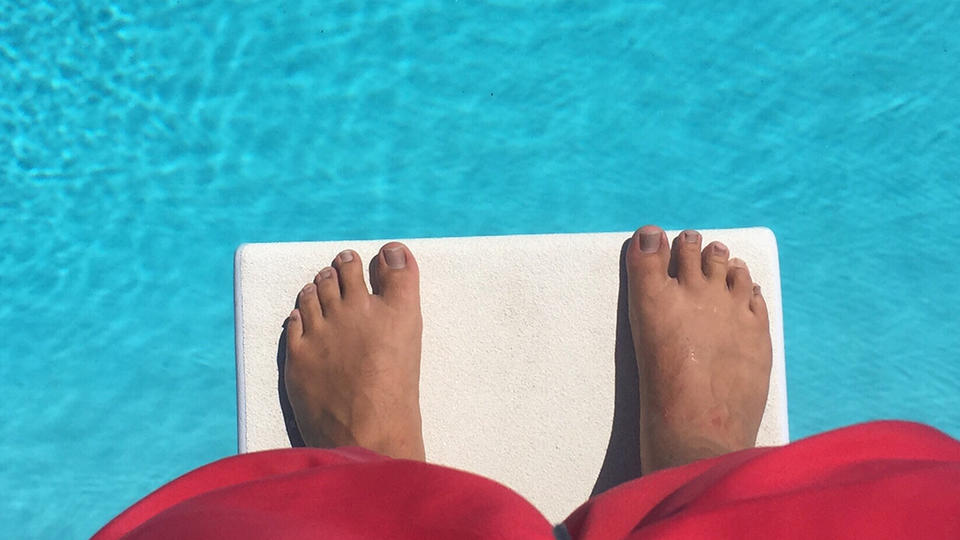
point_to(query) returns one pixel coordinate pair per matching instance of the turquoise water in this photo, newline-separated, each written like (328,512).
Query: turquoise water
(142,144)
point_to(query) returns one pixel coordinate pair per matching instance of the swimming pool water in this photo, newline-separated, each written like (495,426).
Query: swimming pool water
(142,143)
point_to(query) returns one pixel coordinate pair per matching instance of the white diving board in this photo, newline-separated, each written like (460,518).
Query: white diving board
(527,373)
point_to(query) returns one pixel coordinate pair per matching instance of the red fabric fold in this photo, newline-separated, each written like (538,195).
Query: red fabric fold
(875,480)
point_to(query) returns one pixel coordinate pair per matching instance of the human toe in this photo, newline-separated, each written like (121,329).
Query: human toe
(309,305)
(714,261)
(328,289)
(739,281)
(294,327)
(397,277)
(350,275)
(648,255)
(685,257)
(758,304)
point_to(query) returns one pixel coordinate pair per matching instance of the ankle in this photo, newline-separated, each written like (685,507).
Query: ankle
(668,454)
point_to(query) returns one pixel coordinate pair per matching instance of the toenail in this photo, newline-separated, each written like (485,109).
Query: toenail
(756,289)
(395,257)
(691,236)
(738,263)
(649,241)
(326,273)
(720,250)
(346,256)
(308,287)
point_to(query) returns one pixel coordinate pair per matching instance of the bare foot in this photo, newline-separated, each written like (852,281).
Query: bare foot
(702,341)
(353,358)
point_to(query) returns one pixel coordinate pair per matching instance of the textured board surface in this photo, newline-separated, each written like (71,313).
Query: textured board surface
(527,374)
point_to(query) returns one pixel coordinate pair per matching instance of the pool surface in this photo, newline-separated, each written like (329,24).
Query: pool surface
(142,144)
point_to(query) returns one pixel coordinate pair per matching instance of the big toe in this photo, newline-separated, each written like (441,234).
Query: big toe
(648,255)
(395,275)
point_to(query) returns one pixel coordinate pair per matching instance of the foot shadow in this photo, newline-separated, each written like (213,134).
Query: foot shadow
(622,460)
(289,421)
